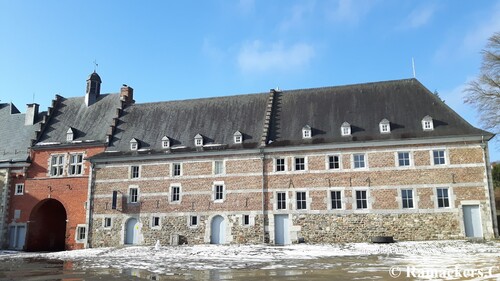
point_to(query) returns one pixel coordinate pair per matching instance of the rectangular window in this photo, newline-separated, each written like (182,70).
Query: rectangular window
(19,189)
(56,165)
(403,159)
(281,200)
(246,219)
(280,164)
(407,198)
(175,193)
(333,162)
(443,198)
(439,158)
(218,167)
(336,197)
(76,164)
(107,222)
(219,192)
(80,233)
(301,200)
(359,161)
(176,169)
(133,195)
(155,222)
(300,164)
(193,220)
(361,200)
(134,172)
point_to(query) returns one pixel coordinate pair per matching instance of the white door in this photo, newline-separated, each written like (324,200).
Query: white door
(20,237)
(12,237)
(472,221)
(217,230)
(281,232)
(131,231)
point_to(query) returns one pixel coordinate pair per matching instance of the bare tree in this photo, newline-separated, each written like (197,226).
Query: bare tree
(483,93)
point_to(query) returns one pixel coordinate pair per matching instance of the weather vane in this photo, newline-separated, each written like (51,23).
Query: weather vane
(95,65)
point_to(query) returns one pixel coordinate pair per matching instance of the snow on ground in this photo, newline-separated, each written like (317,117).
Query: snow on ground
(356,257)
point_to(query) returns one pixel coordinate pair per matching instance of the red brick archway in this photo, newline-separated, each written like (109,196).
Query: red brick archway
(47,227)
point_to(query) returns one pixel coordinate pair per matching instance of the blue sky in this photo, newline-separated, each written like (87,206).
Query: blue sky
(170,50)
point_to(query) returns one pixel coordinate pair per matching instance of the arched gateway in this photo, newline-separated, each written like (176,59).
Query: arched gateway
(47,227)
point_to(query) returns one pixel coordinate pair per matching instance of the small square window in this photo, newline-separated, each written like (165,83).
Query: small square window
(165,144)
(407,198)
(193,220)
(403,159)
(359,161)
(76,164)
(133,195)
(333,162)
(133,146)
(134,172)
(19,189)
(56,165)
(280,165)
(176,169)
(443,198)
(246,219)
(300,164)
(439,157)
(81,233)
(107,222)
(281,200)
(155,221)
(218,167)
(361,200)
(238,139)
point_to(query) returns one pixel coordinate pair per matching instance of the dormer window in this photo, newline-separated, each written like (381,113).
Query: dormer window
(345,129)
(134,144)
(70,135)
(165,142)
(385,126)
(427,123)
(306,132)
(198,140)
(238,137)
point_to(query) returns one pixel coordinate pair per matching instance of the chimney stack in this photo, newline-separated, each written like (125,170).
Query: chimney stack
(31,114)
(127,94)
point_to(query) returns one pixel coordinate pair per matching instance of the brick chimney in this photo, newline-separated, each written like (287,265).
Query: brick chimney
(31,114)
(127,94)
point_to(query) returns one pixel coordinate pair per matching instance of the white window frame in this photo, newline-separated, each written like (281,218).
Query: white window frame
(427,123)
(413,200)
(75,164)
(165,142)
(345,129)
(214,192)
(342,199)
(243,216)
(198,140)
(16,189)
(78,233)
(70,135)
(365,161)
(238,137)
(410,159)
(445,157)
(222,164)
(304,200)
(104,220)
(384,126)
(448,198)
(355,195)
(173,172)
(277,200)
(134,145)
(171,194)
(131,172)
(295,163)
(285,164)
(129,195)
(152,224)
(306,132)
(327,162)
(59,166)
(190,221)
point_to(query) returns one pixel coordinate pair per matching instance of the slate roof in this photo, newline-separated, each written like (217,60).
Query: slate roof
(89,123)
(404,103)
(15,137)
(215,119)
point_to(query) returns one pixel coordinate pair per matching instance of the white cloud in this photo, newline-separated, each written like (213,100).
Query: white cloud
(348,11)
(258,57)
(297,15)
(419,17)
(211,51)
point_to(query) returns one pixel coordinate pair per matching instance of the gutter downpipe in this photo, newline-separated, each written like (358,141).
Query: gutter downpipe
(491,192)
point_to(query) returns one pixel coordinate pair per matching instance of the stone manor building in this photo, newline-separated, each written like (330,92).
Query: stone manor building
(334,164)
